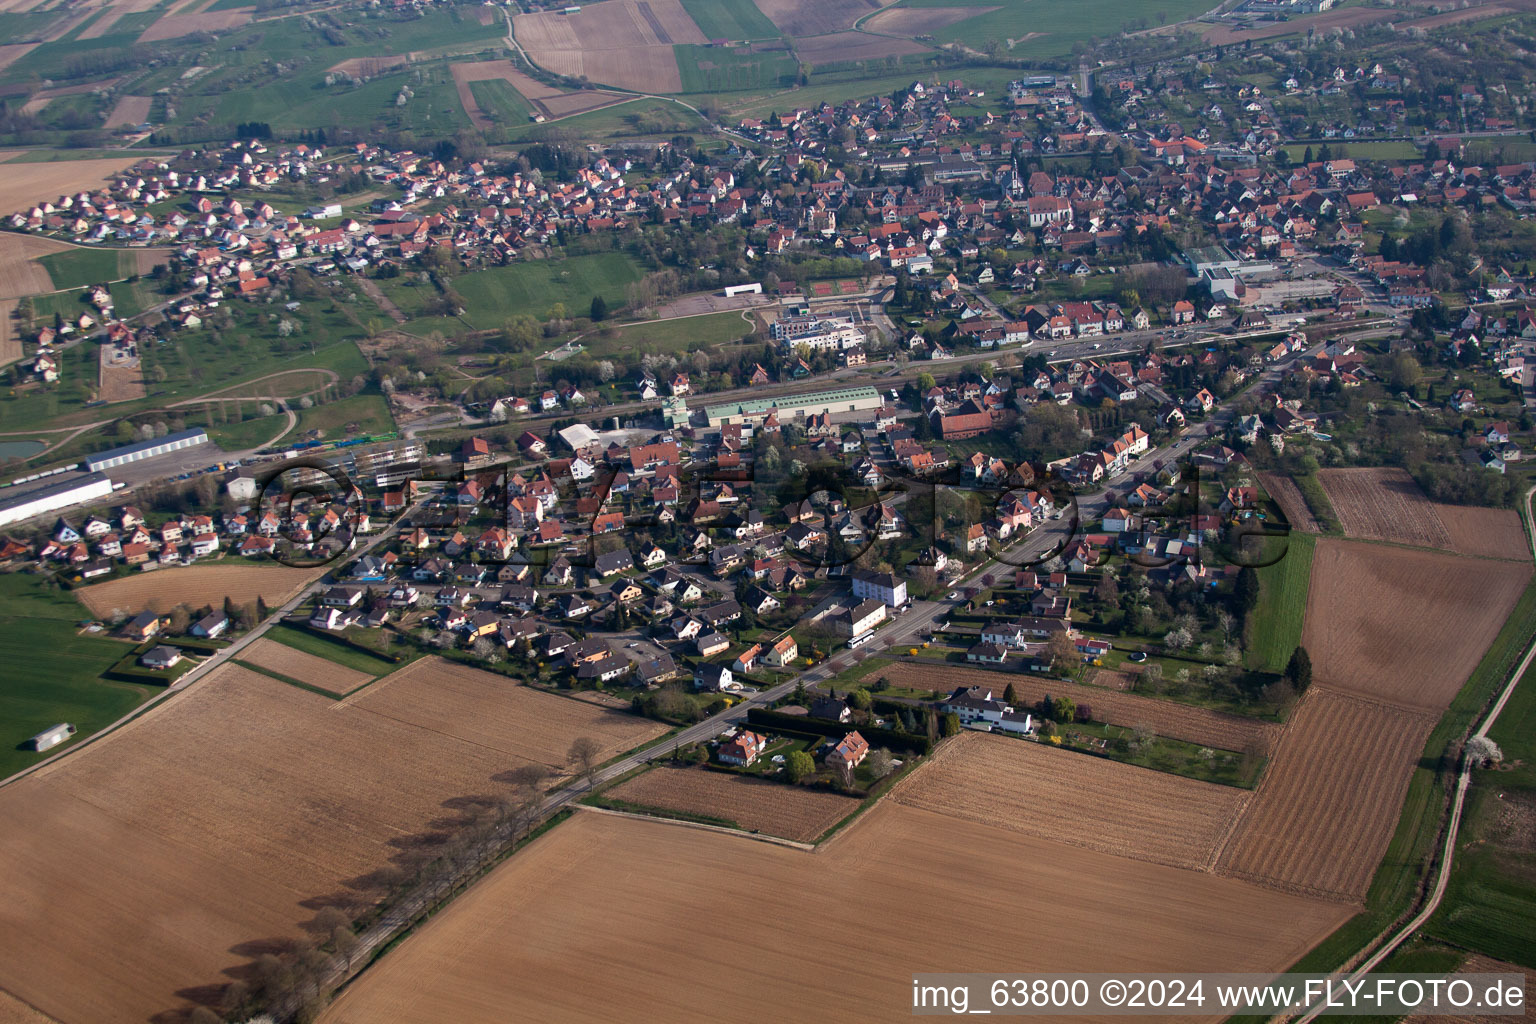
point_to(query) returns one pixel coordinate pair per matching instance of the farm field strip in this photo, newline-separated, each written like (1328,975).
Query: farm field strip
(306,668)
(755,805)
(1383,504)
(1404,625)
(20,272)
(1163,717)
(807,18)
(1325,811)
(1075,799)
(627,43)
(1289,497)
(955,887)
(161,590)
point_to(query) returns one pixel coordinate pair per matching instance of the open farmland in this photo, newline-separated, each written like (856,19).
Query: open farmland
(306,668)
(1076,799)
(1479,964)
(22,185)
(756,805)
(174,26)
(10,336)
(845,46)
(1401,625)
(161,590)
(183,845)
(494,712)
(1325,811)
(810,18)
(1289,497)
(546,99)
(1488,532)
(1163,717)
(940,893)
(13,1011)
(921,21)
(627,43)
(129,112)
(1383,504)
(20,272)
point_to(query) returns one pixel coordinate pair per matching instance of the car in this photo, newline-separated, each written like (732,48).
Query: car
(954,594)
(1138,657)
(1096,345)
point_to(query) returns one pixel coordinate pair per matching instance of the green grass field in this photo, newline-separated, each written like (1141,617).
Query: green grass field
(1276,623)
(714,69)
(1059,23)
(51,674)
(730,19)
(1491,900)
(1367,150)
(351,657)
(367,413)
(238,437)
(493,295)
(676,336)
(500,101)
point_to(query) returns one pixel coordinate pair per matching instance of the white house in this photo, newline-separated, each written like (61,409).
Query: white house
(880,586)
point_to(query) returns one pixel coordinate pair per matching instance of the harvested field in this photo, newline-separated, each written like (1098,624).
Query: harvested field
(842,46)
(194,585)
(1383,504)
(20,273)
(22,185)
(1488,532)
(318,672)
(1324,813)
(186,843)
(492,712)
(10,53)
(1076,799)
(129,112)
(1402,625)
(174,26)
(627,43)
(1288,496)
(1163,717)
(810,18)
(756,805)
(921,21)
(13,1011)
(933,888)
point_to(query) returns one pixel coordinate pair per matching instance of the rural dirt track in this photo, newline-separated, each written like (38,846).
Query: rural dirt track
(1288,496)
(1076,799)
(190,839)
(1164,717)
(306,668)
(194,585)
(1326,808)
(1404,625)
(791,812)
(936,890)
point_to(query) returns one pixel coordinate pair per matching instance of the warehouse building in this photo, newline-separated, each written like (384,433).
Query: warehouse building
(819,403)
(145,449)
(51,497)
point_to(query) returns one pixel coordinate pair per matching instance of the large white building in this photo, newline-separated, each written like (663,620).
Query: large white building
(49,498)
(818,333)
(880,586)
(144,450)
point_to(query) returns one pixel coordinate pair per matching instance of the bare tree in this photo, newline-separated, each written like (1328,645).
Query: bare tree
(529,776)
(583,753)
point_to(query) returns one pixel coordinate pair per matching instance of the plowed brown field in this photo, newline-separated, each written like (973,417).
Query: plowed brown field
(627,43)
(1489,532)
(20,273)
(182,845)
(25,184)
(1383,504)
(810,18)
(1288,496)
(1055,794)
(306,668)
(161,590)
(1164,717)
(757,805)
(1325,810)
(841,46)
(1402,625)
(938,893)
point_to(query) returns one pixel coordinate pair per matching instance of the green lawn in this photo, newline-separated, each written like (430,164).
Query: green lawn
(1491,900)
(1275,626)
(500,101)
(76,268)
(717,69)
(493,295)
(341,654)
(675,336)
(236,437)
(51,674)
(730,19)
(366,413)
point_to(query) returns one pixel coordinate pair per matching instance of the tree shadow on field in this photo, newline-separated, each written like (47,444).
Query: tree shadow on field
(272,967)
